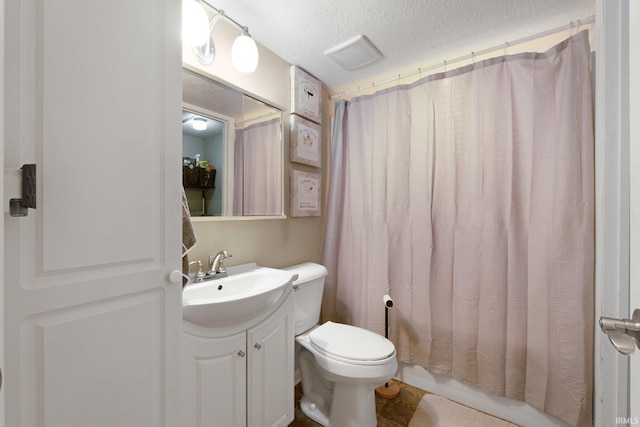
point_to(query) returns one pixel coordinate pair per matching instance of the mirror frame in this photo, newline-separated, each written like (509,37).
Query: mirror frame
(229,133)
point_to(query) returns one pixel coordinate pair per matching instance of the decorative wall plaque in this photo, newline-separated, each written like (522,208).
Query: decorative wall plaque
(306,93)
(305,142)
(305,194)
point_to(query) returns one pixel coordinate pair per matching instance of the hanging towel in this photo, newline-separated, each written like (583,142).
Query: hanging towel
(188,235)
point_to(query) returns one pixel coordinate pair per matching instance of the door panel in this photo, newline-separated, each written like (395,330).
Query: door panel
(77,374)
(92,318)
(271,367)
(214,378)
(99,133)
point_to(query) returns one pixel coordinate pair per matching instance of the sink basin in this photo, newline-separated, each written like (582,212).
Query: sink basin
(245,294)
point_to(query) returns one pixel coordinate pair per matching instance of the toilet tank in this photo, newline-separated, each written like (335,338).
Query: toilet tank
(308,296)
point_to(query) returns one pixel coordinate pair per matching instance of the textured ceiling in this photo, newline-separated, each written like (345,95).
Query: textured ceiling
(407,32)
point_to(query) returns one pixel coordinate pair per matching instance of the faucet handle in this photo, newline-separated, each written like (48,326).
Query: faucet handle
(200,274)
(212,259)
(221,267)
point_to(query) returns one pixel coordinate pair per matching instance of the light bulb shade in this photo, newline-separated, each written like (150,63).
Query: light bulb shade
(195,24)
(199,123)
(244,53)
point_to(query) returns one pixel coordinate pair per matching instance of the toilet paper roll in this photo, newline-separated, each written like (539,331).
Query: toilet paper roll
(388,302)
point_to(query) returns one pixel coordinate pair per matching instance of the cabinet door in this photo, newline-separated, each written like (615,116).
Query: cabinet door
(271,351)
(214,381)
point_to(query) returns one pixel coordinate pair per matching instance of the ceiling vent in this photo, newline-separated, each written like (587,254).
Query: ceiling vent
(354,53)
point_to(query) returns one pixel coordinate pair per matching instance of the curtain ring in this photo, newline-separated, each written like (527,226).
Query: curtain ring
(445,65)
(473,58)
(506,45)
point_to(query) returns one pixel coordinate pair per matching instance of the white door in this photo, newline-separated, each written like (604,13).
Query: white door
(2,410)
(93,97)
(617,377)
(634,149)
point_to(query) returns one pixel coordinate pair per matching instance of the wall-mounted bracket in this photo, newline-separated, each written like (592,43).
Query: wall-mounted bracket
(17,208)
(20,188)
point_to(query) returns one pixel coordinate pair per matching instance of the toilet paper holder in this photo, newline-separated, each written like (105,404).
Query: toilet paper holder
(624,334)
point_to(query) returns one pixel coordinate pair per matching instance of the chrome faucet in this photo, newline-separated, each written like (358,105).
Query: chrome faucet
(216,263)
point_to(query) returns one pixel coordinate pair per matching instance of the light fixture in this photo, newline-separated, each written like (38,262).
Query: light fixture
(195,24)
(206,52)
(198,123)
(244,51)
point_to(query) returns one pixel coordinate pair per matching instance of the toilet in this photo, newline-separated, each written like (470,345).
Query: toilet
(340,365)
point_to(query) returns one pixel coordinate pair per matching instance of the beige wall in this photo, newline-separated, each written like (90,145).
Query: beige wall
(538,45)
(280,242)
(272,242)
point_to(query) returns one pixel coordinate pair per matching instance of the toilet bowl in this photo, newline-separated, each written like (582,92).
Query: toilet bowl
(340,365)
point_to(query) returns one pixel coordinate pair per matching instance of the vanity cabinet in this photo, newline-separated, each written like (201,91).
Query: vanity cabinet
(245,379)
(270,370)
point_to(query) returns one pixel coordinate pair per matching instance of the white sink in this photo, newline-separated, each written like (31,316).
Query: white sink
(245,294)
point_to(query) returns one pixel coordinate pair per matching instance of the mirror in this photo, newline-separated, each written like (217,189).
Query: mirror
(232,164)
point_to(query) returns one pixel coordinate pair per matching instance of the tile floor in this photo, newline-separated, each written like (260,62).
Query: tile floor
(391,412)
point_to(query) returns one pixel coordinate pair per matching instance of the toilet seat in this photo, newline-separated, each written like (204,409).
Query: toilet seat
(351,344)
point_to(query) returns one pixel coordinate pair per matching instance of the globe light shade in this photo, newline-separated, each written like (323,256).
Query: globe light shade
(199,123)
(195,24)
(244,53)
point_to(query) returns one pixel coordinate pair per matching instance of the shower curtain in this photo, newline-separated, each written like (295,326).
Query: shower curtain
(468,196)
(258,162)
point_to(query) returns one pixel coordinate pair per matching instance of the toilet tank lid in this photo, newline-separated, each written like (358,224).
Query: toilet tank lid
(307,271)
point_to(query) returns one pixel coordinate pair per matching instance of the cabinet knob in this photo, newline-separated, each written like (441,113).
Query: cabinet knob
(241,353)
(257,346)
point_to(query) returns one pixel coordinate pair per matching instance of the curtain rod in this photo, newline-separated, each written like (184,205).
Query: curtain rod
(577,24)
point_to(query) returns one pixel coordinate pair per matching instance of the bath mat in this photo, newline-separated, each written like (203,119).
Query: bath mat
(436,411)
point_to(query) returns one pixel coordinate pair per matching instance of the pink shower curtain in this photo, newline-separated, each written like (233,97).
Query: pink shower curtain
(258,169)
(469,198)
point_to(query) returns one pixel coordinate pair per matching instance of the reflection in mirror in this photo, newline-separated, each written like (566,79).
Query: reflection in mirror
(202,151)
(258,161)
(232,151)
